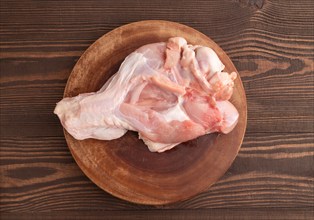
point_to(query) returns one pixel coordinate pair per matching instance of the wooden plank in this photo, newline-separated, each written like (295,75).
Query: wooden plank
(39,174)
(218,214)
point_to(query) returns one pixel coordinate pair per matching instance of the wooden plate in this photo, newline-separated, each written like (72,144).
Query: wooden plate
(125,167)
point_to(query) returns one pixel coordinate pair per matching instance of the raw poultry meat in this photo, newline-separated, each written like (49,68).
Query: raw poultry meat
(170,92)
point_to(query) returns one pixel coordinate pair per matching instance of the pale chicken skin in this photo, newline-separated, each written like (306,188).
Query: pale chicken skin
(169,92)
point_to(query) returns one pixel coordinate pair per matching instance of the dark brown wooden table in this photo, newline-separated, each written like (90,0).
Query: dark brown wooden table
(270,42)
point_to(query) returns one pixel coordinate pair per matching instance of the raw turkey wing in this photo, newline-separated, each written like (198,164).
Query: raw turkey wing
(170,92)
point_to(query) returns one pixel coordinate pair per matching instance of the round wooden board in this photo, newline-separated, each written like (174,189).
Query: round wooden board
(125,167)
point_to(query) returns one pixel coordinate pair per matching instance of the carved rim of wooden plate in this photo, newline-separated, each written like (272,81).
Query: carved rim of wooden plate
(124,167)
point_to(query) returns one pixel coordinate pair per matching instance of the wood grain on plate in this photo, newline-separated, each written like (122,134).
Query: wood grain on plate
(125,167)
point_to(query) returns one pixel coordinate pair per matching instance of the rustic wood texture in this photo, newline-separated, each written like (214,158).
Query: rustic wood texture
(271,44)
